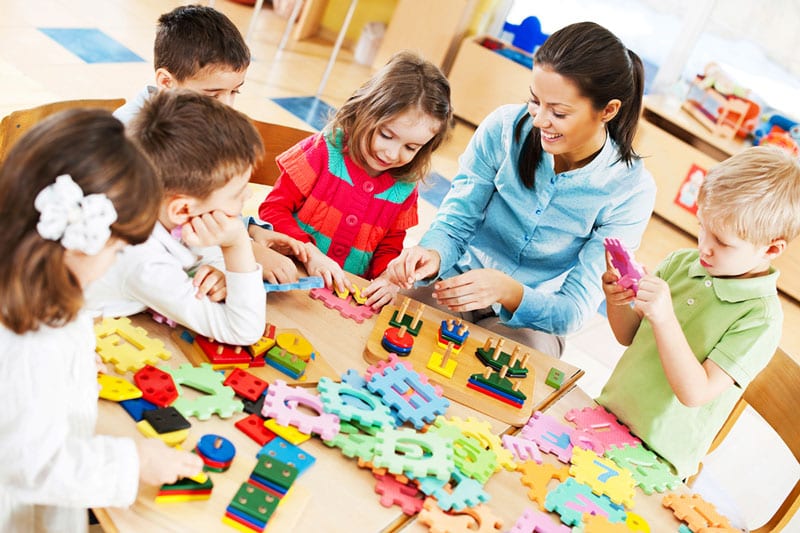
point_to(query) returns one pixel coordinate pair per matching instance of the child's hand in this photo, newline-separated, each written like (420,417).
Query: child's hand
(276,268)
(159,464)
(280,242)
(653,300)
(319,264)
(413,264)
(379,292)
(615,294)
(214,229)
(210,282)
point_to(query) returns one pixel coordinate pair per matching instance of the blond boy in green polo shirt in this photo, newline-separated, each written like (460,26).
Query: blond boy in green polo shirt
(709,319)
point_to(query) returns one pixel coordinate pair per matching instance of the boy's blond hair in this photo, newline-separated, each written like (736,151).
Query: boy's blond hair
(196,143)
(755,194)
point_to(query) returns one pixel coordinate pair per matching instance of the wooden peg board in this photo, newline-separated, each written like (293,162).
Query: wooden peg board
(539,395)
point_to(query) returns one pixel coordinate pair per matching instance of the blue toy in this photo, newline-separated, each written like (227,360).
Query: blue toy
(307,283)
(527,34)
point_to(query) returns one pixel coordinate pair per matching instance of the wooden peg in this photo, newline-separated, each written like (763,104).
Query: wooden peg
(401,332)
(487,372)
(487,344)
(524,361)
(403,308)
(219,349)
(417,316)
(514,357)
(237,349)
(463,329)
(447,353)
(503,371)
(515,386)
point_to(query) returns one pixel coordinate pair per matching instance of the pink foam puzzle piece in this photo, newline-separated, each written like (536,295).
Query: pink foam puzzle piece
(346,307)
(572,499)
(283,403)
(630,271)
(604,476)
(405,495)
(602,425)
(523,449)
(533,521)
(379,366)
(651,473)
(550,435)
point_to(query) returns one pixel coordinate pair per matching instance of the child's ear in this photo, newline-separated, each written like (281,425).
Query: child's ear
(775,248)
(165,80)
(179,209)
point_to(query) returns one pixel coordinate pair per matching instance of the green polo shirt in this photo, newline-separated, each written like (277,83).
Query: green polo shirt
(734,322)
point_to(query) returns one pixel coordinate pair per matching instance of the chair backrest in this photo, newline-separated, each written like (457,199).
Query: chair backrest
(18,122)
(277,139)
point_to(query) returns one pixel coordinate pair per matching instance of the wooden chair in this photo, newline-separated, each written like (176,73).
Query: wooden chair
(277,139)
(18,122)
(774,395)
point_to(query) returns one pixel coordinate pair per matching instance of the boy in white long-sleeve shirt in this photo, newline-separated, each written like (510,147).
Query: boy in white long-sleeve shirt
(197,268)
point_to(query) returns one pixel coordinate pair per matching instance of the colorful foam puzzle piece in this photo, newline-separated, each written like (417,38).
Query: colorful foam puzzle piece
(480,519)
(166,419)
(117,389)
(253,427)
(302,284)
(533,521)
(416,454)
(629,270)
(697,512)
(550,435)
(603,476)
(157,386)
(405,495)
(410,394)
(459,493)
(289,433)
(650,472)
(537,476)
(218,399)
(571,500)
(636,523)
(354,445)
(171,438)
(469,455)
(136,407)
(368,410)
(359,313)
(523,449)
(600,524)
(555,378)
(481,430)
(245,384)
(283,404)
(603,425)
(127,346)
(288,453)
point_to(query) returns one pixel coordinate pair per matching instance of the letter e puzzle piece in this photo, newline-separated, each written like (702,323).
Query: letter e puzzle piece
(651,473)
(127,346)
(523,449)
(571,500)
(156,385)
(603,476)
(697,512)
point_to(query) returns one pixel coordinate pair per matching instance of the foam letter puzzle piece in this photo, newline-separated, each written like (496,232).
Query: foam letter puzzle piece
(406,451)
(368,411)
(157,386)
(603,425)
(480,519)
(245,384)
(410,394)
(523,449)
(283,404)
(603,476)
(550,435)
(481,430)
(629,270)
(359,313)
(117,389)
(459,493)
(572,499)
(469,455)
(286,452)
(127,346)
(651,473)
(407,496)
(537,476)
(533,521)
(218,399)
(697,512)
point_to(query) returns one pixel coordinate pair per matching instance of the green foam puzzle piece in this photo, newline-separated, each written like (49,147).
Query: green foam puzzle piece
(651,473)
(219,398)
(404,451)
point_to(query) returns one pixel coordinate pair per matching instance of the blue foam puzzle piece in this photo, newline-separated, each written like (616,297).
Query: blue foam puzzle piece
(421,408)
(307,283)
(137,407)
(286,452)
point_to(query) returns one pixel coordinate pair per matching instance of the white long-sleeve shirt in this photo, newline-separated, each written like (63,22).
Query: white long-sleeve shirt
(52,465)
(155,274)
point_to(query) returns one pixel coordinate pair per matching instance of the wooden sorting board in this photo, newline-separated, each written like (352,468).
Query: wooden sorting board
(456,388)
(314,371)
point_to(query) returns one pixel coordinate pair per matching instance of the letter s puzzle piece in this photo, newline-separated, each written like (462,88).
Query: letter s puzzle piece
(127,346)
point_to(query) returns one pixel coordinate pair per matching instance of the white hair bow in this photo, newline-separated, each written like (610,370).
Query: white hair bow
(80,222)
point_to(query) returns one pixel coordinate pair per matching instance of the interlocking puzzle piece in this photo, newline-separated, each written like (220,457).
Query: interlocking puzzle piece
(245,384)
(514,363)
(219,398)
(537,476)
(161,319)
(407,496)
(603,425)
(523,449)
(117,389)
(533,521)
(359,313)
(127,346)
(550,435)
(458,493)
(255,503)
(157,386)
(412,323)
(697,512)
(651,473)
(283,404)
(253,427)
(368,411)
(420,455)
(354,445)
(288,453)
(481,430)
(166,419)
(636,523)
(603,476)
(172,438)
(136,407)
(571,500)
(454,330)
(480,519)
(410,394)
(629,270)
(379,367)
(222,355)
(289,433)
(302,284)
(600,524)
(275,472)
(469,455)
(555,378)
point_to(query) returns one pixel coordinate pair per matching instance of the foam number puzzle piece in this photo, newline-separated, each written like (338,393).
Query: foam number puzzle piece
(127,346)
(533,521)
(286,452)
(602,425)
(481,431)
(157,386)
(405,495)
(537,476)
(359,313)
(469,455)
(419,455)
(651,473)
(253,427)
(166,419)
(368,410)
(459,493)
(550,435)
(219,399)
(571,500)
(603,476)
(629,270)
(410,394)
(697,512)
(117,389)
(302,284)
(283,404)
(245,384)
(480,519)
(523,449)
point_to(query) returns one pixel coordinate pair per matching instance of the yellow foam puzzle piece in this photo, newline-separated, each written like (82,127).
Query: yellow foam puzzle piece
(127,346)
(117,389)
(603,475)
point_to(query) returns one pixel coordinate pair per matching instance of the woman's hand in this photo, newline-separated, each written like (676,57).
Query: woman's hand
(413,264)
(477,289)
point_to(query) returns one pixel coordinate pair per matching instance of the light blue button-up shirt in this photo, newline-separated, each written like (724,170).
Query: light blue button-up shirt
(549,238)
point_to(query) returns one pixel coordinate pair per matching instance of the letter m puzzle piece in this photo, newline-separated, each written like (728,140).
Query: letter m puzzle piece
(127,346)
